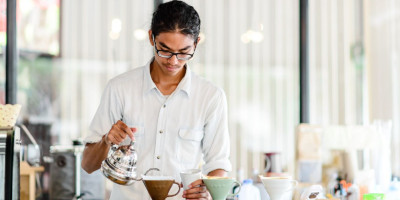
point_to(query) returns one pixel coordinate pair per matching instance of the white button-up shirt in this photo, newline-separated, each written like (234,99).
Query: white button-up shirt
(182,131)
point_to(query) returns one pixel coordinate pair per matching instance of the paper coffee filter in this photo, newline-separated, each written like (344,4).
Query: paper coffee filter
(275,177)
(216,177)
(9,114)
(157,178)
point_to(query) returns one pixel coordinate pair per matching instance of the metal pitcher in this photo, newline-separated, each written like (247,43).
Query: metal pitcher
(120,166)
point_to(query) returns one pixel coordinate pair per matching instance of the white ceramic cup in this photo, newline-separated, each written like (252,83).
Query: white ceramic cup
(189,176)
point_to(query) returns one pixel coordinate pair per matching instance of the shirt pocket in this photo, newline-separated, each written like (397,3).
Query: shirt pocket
(189,146)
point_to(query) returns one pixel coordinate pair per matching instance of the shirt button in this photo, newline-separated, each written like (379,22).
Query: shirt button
(158,157)
(164,105)
(161,131)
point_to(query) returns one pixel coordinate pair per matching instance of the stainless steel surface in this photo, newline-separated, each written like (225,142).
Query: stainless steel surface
(3,144)
(3,137)
(9,163)
(120,166)
(78,157)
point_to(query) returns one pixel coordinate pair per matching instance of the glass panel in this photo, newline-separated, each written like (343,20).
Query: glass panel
(3,31)
(61,79)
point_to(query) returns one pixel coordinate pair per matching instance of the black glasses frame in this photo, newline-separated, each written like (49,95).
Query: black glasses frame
(173,54)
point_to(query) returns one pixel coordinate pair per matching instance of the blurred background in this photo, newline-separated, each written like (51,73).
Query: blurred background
(69,49)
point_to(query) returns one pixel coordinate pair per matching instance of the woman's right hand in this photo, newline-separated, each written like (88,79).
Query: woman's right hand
(118,133)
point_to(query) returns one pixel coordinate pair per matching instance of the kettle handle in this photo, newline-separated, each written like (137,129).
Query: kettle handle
(114,147)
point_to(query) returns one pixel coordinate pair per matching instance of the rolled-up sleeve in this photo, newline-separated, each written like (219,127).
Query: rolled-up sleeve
(216,141)
(108,112)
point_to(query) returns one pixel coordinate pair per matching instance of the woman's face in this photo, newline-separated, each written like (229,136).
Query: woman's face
(174,42)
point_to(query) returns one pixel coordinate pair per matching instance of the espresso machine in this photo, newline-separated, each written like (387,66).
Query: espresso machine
(9,163)
(66,162)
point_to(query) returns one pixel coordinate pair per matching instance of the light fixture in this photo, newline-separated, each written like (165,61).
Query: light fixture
(202,37)
(252,36)
(116,27)
(140,34)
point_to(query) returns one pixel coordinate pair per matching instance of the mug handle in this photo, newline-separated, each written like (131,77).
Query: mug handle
(237,192)
(179,189)
(267,164)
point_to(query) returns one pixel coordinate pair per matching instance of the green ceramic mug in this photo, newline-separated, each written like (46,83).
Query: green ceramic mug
(219,187)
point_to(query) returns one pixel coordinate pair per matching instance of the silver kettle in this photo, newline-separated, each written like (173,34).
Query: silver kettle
(120,166)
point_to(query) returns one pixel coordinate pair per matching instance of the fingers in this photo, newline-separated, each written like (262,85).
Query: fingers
(115,135)
(122,126)
(196,183)
(119,131)
(196,190)
(199,192)
(203,195)
(133,130)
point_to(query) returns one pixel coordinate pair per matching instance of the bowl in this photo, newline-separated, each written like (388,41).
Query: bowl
(9,114)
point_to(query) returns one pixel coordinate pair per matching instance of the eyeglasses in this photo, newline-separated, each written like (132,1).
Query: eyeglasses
(167,54)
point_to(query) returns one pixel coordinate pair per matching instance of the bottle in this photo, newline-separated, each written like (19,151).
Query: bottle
(249,191)
(394,189)
(353,192)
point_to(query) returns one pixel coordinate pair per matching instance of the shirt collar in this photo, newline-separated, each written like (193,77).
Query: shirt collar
(149,85)
(186,81)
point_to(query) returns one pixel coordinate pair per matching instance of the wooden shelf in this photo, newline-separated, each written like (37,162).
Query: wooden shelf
(27,180)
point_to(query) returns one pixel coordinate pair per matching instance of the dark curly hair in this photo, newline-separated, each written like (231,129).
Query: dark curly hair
(176,16)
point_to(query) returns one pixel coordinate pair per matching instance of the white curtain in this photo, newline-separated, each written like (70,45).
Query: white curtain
(336,74)
(354,64)
(382,25)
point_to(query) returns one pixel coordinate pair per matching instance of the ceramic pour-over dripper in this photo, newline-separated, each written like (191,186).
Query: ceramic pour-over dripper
(159,186)
(220,187)
(278,187)
(120,166)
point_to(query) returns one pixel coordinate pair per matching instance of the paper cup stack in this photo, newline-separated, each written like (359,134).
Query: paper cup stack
(8,115)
